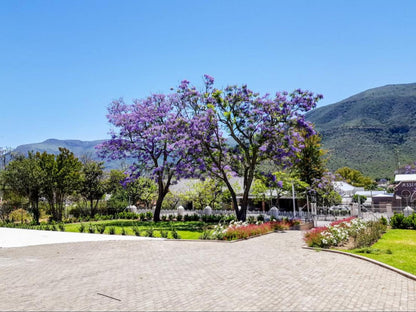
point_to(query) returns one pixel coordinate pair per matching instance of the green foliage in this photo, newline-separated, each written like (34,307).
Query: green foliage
(370,234)
(369,131)
(136,230)
(399,221)
(81,228)
(150,232)
(91,228)
(164,234)
(359,199)
(101,228)
(111,230)
(356,178)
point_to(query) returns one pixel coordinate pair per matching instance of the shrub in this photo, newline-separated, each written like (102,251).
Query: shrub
(260,217)
(164,218)
(397,221)
(142,216)
(123,231)
(171,217)
(149,232)
(91,229)
(179,217)
(111,230)
(81,228)
(149,215)
(206,234)
(175,234)
(136,230)
(61,227)
(164,234)
(370,234)
(101,228)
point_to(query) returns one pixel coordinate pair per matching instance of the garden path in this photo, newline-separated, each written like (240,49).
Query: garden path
(269,273)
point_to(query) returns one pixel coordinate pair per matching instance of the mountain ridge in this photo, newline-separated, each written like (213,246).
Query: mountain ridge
(373,131)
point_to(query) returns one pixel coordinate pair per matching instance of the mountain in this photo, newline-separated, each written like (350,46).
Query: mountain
(79,148)
(373,131)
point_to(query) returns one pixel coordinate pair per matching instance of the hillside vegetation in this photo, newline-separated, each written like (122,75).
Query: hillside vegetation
(372,131)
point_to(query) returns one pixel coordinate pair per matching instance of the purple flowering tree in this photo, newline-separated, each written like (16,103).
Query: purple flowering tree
(238,128)
(153,133)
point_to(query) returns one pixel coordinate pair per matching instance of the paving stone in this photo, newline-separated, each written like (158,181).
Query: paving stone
(268,273)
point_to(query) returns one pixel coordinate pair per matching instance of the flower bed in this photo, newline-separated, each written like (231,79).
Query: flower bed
(350,230)
(243,230)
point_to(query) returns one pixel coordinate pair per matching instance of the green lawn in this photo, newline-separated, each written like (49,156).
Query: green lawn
(186,230)
(396,248)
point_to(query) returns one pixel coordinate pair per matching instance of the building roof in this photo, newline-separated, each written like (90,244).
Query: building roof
(370,193)
(405,177)
(343,186)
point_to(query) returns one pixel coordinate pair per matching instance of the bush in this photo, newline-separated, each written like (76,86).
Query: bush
(164,234)
(149,215)
(164,218)
(111,230)
(136,230)
(91,229)
(260,217)
(367,236)
(123,231)
(211,218)
(81,228)
(61,227)
(175,234)
(101,228)
(149,232)
(179,217)
(397,221)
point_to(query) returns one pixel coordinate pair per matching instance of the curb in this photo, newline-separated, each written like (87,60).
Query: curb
(386,266)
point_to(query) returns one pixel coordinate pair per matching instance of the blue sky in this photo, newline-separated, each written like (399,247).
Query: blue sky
(63,62)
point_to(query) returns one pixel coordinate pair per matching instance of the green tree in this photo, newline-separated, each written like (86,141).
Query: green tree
(206,193)
(62,177)
(92,183)
(23,176)
(356,178)
(311,164)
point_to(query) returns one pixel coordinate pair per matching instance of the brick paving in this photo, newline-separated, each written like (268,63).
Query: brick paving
(268,273)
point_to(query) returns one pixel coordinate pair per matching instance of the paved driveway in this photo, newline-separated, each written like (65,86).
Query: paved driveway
(270,273)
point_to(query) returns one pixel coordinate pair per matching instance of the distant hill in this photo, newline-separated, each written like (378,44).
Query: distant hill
(371,131)
(79,148)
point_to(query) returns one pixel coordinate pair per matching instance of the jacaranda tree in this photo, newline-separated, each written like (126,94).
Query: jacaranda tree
(237,128)
(152,132)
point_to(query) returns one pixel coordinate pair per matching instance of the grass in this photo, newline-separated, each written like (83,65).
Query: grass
(186,230)
(396,248)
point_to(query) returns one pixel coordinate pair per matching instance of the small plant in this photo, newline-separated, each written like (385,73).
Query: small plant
(91,229)
(150,232)
(175,234)
(179,217)
(81,228)
(136,230)
(164,234)
(142,216)
(100,228)
(206,234)
(111,230)
(164,218)
(123,231)
(54,228)
(149,215)
(260,217)
(171,217)
(61,227)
